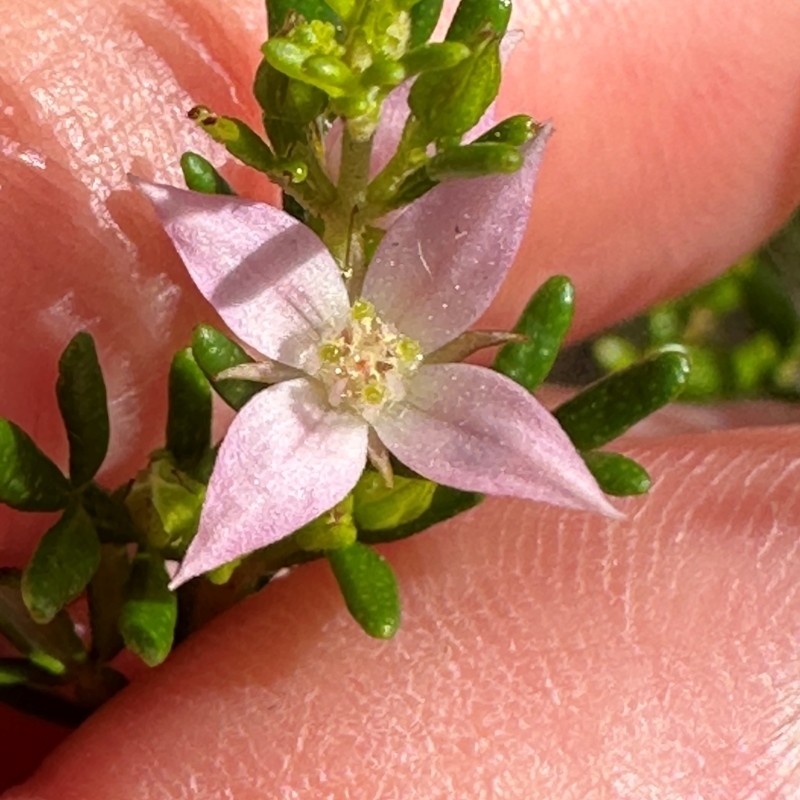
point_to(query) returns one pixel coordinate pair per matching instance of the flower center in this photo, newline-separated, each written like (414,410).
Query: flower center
(365,365)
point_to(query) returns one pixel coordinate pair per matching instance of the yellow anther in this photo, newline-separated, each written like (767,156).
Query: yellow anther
(362,309)
(408,350)
(373,394)
(330,352)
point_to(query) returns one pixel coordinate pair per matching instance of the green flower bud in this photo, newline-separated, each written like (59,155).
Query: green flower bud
(165,505)
(330,531)
(380,507)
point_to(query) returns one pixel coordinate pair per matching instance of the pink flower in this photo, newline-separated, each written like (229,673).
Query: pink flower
(353,378)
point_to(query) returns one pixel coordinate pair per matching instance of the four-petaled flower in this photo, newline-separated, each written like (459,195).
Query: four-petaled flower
(352,378)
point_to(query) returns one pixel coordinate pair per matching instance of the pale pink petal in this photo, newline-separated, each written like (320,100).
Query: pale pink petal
(394,114)
(471,428)
(269,276)
(285,460)
(442,262)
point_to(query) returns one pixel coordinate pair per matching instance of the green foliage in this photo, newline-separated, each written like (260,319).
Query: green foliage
(280,13)
(424,16)
(63,564)
(29,480)
(544,322)
(81,393)
(369,588)
(607,409)
(53,646)
(617,474)
(517,130)
(201,176)
(215,352)
(150,611)
(189,413)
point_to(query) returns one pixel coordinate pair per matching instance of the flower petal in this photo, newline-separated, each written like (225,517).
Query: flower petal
(442,262)
(286,459)
(269,276)
(469,427)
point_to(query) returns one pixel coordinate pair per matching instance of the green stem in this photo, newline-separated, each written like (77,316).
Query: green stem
(344,231)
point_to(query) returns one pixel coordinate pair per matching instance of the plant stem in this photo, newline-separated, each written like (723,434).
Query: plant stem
(344,231)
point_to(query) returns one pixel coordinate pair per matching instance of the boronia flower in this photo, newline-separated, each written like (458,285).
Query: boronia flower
(355,379)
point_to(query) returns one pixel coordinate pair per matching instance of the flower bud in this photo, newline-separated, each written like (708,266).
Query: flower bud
(379,507)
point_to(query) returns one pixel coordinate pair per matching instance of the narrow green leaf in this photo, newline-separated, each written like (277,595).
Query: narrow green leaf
(434,56)
(29,480)
(378,507)
(445,503)
(424,16)
(369,588)
(767,298)
(62,566)
(189,415)
(148,617)
(54,646)
(474,161)
(201,176)
(279,10)
(450,102)
(82,400)
(473,17)
(607,409)
(20,671)
(545,322)
(516,130)
(215,352)
(616,474)
(111,518)
(106,598)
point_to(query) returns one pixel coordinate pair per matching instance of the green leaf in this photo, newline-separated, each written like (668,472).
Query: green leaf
(20,671)
(29,480)
(62,565)
(378,507)
(516,130)
(435,56)
(215,352)
(189,415)
(474,17)
(450,102)
(369,588)
(150,611)
(545,322)
(201,176)
(474,161)
(607,409)
(111,518)
(616,474)
(82,400)
(106,598)
(766,297)
(279,10)
(55,647)
(424,16)
(445,503)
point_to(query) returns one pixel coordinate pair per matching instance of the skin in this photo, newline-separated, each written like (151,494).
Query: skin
(544,654)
